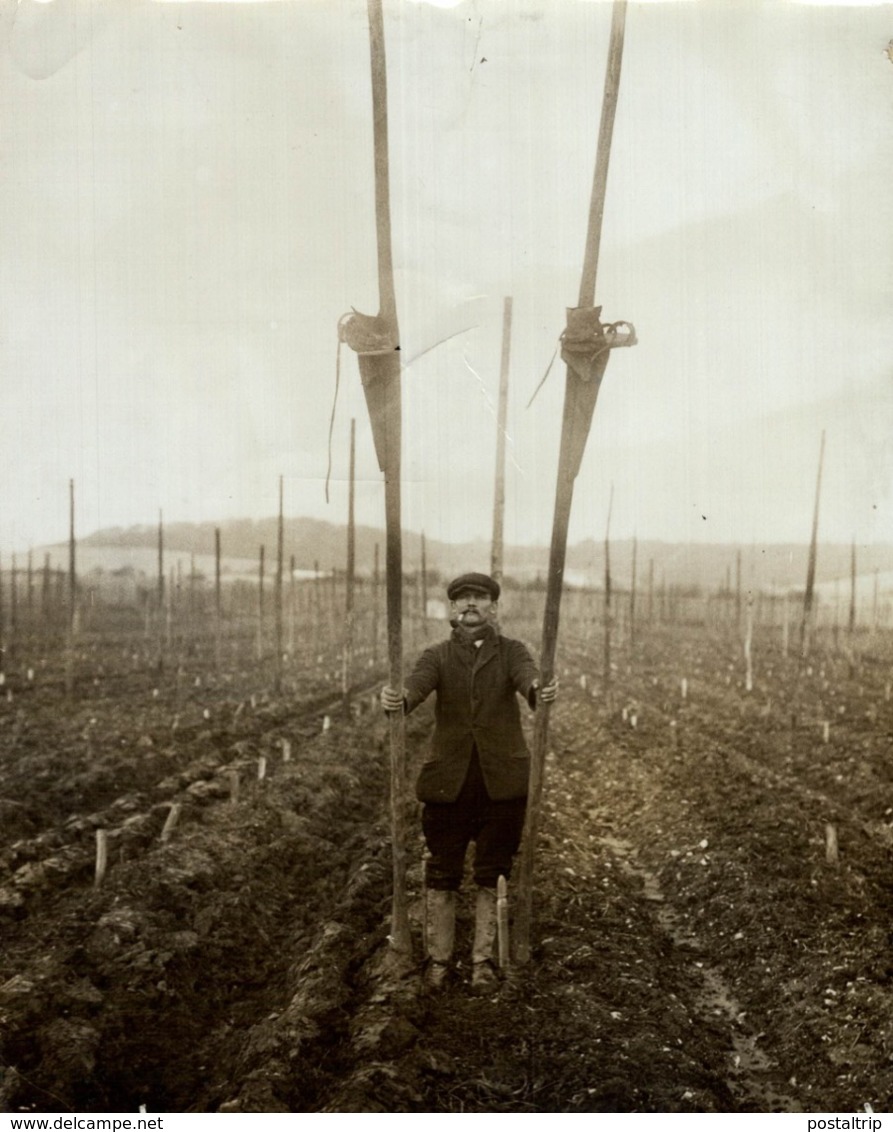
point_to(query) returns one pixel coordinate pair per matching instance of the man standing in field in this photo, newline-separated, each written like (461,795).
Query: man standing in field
(474,784)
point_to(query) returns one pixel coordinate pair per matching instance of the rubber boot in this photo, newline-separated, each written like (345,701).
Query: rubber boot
(441,934)
(483,972)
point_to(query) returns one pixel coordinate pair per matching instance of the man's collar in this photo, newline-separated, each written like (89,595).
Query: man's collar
(469,636)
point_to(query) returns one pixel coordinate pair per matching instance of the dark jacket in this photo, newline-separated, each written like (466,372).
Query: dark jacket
(476,705)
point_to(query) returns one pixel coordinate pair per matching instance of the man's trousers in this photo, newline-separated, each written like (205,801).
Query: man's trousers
(449,828)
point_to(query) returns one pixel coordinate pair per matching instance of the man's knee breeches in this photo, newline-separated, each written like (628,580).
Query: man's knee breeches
(449,827)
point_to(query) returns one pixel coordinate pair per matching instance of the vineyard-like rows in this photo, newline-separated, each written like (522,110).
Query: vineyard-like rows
(713,882)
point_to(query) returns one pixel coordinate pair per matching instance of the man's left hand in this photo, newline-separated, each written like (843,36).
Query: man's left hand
(548,693)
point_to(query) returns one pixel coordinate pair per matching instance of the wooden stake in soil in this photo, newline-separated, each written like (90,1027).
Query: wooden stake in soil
(586,348)
(748,646)
(831,848)
(376,339)
(173,816)
(502,923)
(102,856)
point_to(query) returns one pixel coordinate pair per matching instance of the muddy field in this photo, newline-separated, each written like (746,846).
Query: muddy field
(713,912)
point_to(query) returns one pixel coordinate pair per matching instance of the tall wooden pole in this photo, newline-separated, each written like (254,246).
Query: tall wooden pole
(424,589)
(603,156)
(218,605)
(280,570)
(173,590)
(159,595)
(159,583)
(260,602)
(805,626)
(607,624)
(852,621)
(72,595)
(13,607)
(496,551)
(292,604)
(2,623)
(30,595)
(46,593)
(193,582)
(632,595)
(72,564)
(376,612)
(400,935)
(579,404)
(650,591)
(347,655)
(874,604)
(376,339)
(738,588)
(317,598)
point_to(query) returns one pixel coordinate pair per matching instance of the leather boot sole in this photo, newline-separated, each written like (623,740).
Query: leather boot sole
(484,977)
(437,976)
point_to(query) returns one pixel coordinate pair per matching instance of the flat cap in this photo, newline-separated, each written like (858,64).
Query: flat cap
(481,583)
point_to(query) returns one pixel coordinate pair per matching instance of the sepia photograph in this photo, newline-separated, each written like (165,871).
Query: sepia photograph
(446,558)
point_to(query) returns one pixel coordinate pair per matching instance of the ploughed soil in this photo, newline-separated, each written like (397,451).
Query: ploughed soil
(712,904)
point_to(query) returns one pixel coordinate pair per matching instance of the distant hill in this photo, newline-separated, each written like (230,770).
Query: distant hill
(318,544)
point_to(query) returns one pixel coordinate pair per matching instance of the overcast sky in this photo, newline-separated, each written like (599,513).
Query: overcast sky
(187,209)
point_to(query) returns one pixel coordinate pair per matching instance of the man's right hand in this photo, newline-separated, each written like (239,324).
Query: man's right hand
(391,699)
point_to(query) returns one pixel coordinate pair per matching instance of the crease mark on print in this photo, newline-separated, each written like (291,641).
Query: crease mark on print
(45,35)
(492,408)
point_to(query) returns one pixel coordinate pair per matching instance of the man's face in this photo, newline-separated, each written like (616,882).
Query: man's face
(473,608)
